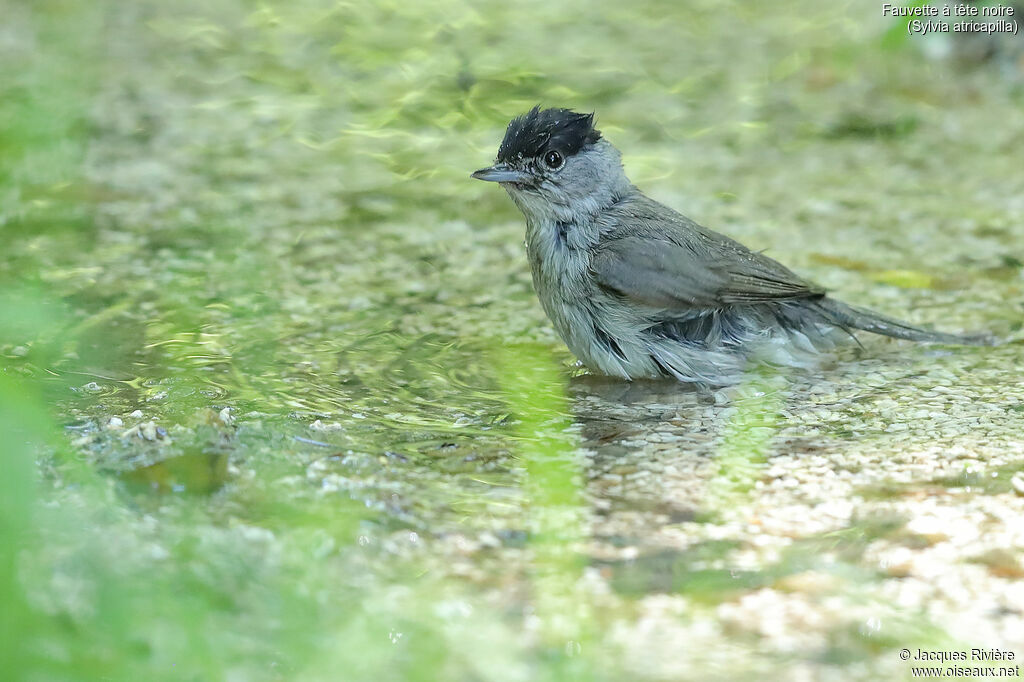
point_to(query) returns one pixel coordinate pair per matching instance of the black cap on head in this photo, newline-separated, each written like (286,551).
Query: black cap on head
(538,130)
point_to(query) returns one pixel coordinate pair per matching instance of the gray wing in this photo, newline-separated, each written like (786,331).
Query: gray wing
(672,263)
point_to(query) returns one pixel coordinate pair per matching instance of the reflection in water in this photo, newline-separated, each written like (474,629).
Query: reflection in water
(643,434)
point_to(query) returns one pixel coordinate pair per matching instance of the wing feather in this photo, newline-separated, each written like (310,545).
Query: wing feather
(670,262)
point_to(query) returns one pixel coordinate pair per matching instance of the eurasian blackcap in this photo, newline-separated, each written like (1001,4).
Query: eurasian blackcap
(636,289)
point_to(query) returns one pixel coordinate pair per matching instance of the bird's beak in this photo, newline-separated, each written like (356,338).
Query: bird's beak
(500,172)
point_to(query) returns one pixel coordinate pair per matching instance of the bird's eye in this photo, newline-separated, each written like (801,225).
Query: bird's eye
(553,159)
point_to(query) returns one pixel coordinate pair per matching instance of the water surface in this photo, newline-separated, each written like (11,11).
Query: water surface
(296,412)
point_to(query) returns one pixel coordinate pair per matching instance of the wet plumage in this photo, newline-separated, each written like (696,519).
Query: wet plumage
(638,290)
(527,136)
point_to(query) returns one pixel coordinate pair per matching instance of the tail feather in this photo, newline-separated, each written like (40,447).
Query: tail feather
(848,317)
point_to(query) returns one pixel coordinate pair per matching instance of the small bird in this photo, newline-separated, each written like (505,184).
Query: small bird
(637,290)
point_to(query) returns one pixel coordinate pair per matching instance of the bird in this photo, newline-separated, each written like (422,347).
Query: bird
(637,290)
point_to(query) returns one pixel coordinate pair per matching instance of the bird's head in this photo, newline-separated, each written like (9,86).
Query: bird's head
(554,163)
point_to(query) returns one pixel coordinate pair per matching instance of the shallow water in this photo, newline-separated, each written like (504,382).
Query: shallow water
(295,409)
